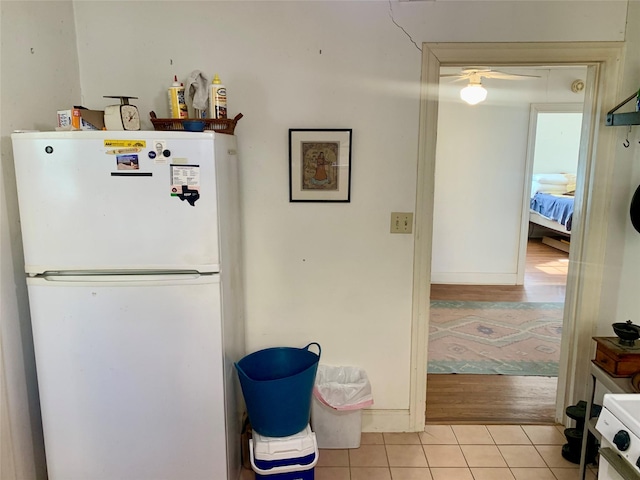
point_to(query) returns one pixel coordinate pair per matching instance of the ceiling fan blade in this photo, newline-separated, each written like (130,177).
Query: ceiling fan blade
(474,70)
(507,76)
(458,79)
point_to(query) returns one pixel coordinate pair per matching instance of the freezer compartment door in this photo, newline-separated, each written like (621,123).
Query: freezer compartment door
(87,204)
(131,378)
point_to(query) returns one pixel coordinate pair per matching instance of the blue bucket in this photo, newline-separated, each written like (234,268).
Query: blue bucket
(277,385)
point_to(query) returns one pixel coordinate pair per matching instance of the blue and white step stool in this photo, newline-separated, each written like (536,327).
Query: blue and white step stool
(284,458)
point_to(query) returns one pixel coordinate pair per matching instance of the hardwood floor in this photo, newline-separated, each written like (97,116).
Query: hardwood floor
(498,399)
(490,399)
(545,278)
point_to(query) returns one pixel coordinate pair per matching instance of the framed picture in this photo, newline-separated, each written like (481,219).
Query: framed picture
(320,165)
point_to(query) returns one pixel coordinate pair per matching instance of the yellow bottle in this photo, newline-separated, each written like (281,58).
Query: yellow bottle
(177,101)
(217,99)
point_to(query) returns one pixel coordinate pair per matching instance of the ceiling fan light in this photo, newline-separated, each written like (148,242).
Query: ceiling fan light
(473,94)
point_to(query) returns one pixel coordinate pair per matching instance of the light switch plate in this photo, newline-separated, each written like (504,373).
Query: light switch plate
(401,222)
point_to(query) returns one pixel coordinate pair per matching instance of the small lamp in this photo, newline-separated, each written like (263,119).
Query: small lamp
(473,93)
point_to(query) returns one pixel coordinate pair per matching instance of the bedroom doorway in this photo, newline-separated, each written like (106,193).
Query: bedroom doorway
(497,301)
(602,61)
(551,167)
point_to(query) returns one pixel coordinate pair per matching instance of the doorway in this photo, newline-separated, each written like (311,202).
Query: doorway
(585,278)
(498,285)
(551,168)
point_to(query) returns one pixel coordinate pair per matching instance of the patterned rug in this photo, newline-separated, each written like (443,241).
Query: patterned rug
(495,338)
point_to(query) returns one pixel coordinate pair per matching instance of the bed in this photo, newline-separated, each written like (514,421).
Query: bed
(552,202)
(552,211)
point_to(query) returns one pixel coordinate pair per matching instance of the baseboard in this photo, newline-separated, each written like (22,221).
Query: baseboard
(385,420)
(474,278)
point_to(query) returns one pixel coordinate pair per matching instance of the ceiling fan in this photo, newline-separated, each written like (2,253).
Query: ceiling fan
(474,92)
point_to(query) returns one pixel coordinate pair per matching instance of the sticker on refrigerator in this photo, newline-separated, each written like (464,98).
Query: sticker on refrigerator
(125,143)
(122,151)
(127,162)
(157,154)
(185,182)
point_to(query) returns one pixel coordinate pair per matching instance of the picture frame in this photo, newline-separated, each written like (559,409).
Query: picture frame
(320,165)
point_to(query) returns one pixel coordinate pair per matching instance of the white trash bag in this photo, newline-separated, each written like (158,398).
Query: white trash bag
(343,388)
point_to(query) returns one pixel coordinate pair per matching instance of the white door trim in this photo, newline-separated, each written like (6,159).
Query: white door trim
(589,236)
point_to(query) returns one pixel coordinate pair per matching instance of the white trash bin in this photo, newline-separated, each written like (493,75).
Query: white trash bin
(339,395)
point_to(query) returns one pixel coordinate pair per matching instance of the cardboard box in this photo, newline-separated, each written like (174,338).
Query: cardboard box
(245,438)
(80,118)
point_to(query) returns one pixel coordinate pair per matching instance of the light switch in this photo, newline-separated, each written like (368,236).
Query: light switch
(401,222)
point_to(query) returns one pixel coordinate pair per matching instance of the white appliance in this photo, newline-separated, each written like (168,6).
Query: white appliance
(132,255)
(619,427)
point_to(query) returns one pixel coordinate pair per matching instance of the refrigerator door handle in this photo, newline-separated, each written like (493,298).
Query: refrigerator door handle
(123,279)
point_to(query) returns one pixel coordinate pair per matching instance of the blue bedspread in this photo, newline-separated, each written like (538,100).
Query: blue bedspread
(555,207)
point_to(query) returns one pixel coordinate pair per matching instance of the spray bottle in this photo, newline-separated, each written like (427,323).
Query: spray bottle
(217,99)
(177,100)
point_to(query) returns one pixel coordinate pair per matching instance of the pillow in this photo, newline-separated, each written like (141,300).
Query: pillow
(554,178)
(537,187)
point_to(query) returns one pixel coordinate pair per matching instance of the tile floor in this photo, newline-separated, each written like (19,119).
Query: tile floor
(452,452)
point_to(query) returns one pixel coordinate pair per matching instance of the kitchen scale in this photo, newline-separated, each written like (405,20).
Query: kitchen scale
(123,116)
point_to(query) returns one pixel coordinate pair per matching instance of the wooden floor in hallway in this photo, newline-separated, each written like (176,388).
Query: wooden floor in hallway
(501,399)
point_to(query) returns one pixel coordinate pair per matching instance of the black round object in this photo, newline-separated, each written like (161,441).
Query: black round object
(634,210)
(622,440)
(627,332)
(570,454)
(638,462)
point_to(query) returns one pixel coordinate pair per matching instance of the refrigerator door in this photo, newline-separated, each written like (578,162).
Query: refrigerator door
(105,201)
(130,373)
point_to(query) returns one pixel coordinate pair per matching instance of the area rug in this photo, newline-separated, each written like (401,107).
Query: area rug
(502,338)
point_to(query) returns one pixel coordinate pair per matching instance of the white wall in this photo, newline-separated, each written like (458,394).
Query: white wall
(628,307)
(330,273)
(325,272)
(480,173)
(39,75)
(557,142)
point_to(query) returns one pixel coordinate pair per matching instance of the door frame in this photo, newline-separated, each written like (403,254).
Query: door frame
(535,109)
(589,233)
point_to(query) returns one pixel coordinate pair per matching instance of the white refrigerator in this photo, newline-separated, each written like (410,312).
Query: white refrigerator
(133,260)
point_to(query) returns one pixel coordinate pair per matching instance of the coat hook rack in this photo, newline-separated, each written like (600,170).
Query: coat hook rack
(626,143)
(617,119)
